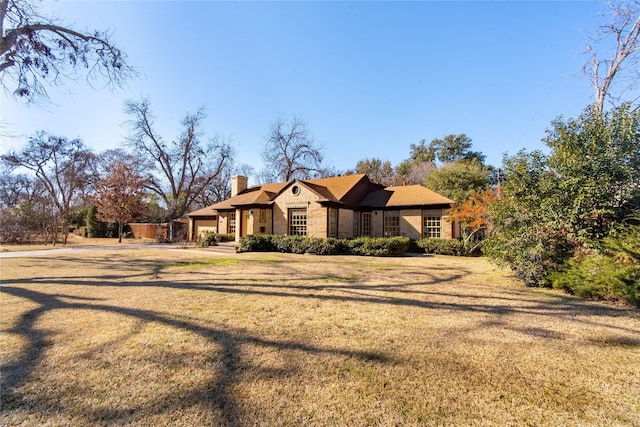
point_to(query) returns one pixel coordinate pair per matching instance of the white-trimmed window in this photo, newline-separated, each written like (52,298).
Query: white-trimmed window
(333,222)
(366,224)
(232,222)
(263,215)
(298,222)
(432,224)
(391,223)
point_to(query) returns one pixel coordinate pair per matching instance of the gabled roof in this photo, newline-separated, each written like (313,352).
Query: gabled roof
(408,195)
(337,189)
(208,211)
(332,189)
(328,189)
(252,196)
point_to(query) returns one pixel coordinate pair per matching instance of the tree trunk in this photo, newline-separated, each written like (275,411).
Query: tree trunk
(120,225)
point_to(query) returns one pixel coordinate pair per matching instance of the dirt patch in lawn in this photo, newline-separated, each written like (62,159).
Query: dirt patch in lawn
(186,337)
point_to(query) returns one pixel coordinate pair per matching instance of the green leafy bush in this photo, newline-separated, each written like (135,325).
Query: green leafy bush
(332,246)
(599,277)
(208,239)
(441,246)
(256,243)
(613,274)
(318,246)
(288,244)
(212,239)
(379,246)
(225,237)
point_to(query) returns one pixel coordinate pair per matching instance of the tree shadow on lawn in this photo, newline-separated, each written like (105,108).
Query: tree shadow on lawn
(217,393)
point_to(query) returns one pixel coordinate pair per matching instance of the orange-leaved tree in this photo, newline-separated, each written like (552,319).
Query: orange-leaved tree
(473,216)
(120,196)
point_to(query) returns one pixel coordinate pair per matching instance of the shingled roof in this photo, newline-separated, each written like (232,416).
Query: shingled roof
(208,211)
(334,189)
(402,196)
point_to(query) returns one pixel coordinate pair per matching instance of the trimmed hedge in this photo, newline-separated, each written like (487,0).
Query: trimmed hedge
(441,246)
(379,246)
(312,245)
(367,246)
(292,244)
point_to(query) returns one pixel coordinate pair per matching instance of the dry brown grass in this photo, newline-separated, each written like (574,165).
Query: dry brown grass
(186,337)
(73,241)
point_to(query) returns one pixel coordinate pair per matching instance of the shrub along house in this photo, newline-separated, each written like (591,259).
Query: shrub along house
(343,207)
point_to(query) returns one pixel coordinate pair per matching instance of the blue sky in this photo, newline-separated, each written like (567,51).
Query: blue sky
(369,78)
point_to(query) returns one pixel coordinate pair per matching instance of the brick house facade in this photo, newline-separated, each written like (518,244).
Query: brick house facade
(342,207)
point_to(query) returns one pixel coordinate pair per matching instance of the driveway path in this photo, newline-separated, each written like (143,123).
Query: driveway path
(84,249)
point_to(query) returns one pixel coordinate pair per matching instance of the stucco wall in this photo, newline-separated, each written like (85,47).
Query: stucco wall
(203,226)
(223,222)
(261,226)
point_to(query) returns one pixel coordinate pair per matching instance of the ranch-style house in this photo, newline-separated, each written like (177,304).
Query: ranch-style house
(342,206)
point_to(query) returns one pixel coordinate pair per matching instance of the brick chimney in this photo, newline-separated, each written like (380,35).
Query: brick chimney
(238,184)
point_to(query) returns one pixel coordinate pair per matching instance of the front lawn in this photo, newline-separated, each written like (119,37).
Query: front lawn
(188,337)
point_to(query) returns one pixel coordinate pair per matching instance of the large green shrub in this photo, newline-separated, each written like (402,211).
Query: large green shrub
(600,277)
(555,206)
(613,274)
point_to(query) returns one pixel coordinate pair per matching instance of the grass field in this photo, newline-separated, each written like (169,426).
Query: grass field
(187,337)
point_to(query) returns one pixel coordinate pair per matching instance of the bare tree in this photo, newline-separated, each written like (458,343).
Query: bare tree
(13,187)
(290,151)
(613,51)
(30,215)
(107,160)
(62,166)
(412,173)
(178,172)
(378,171)
(35,51)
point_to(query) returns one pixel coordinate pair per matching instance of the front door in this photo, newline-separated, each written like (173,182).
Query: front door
(245,216)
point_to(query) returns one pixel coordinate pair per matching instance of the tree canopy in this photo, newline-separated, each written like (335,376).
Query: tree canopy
(290,151)
(452,148)
(62,166)
(179,171)
(36,51)
(119,197)
(459,180)
(378,171)
(564,204)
